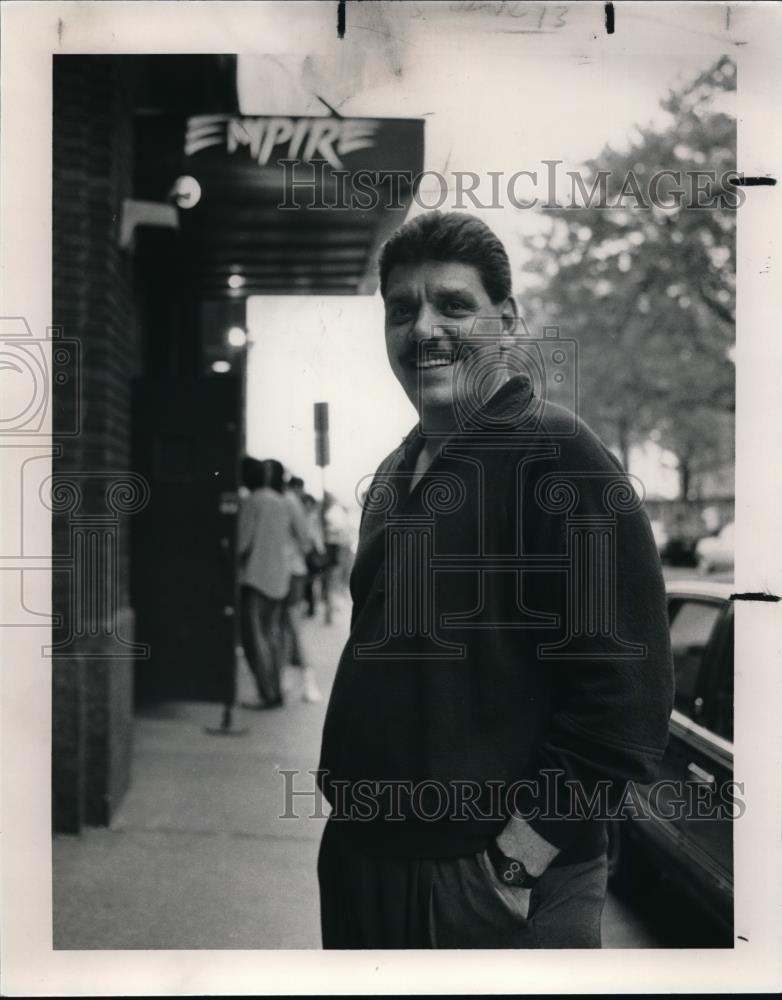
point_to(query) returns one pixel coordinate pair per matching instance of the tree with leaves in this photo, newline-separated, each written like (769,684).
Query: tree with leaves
(648,290)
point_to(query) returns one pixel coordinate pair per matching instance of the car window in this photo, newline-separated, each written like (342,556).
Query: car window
(691,623)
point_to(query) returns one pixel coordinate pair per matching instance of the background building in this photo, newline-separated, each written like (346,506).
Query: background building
(166,218)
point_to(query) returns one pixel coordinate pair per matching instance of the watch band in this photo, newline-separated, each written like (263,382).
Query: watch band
(509,870)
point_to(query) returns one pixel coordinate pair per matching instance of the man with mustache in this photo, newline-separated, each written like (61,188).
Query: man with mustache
(508,669)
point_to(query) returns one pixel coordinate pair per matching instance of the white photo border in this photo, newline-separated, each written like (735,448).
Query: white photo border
(32,33)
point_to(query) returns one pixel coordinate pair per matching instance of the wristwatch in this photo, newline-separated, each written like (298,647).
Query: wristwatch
(509,870)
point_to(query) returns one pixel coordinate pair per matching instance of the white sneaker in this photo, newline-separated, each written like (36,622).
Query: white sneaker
(310,691)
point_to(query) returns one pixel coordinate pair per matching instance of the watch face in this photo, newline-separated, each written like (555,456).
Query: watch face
(510,871)
(514,873)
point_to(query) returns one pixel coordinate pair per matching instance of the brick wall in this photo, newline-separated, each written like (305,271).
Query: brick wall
(93,302)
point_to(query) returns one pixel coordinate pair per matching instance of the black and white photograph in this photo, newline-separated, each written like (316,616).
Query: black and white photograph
(391,544)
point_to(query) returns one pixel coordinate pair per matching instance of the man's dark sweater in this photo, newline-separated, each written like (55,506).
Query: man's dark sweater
(509,625)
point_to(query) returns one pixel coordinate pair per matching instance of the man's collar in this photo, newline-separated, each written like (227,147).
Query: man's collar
(506,405)
(510,400)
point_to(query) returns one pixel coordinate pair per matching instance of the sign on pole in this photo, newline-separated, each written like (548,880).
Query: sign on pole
(322,434)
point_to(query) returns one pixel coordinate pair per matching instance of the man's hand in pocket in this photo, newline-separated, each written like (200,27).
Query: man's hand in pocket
(516,899)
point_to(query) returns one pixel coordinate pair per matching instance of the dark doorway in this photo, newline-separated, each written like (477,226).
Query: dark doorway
(186,442)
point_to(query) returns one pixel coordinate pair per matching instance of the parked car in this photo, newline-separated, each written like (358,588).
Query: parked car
(679,550)
(694,853)
(716,551)
(683,527)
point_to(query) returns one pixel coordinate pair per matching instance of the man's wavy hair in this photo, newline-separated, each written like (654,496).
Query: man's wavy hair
(253,476)
(273,474)
(450,236)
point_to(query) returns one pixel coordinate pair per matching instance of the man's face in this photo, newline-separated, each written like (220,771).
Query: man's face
(439,302)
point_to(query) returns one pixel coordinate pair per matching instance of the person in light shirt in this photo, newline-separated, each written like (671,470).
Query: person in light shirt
(265,522)
(336,534)
(299,543)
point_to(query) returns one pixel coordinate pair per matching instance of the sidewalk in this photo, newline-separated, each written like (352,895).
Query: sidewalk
(197,856)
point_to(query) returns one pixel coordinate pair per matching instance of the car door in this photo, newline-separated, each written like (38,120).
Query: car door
(698,763)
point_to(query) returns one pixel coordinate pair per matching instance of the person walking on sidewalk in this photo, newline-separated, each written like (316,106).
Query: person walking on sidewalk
(508,670)
(337,538)
(299,543)
(317,556)
(264,574)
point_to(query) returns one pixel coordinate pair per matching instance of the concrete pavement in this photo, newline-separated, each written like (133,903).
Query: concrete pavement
(198,856)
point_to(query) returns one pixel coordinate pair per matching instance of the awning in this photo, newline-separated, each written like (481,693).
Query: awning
(287,205)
